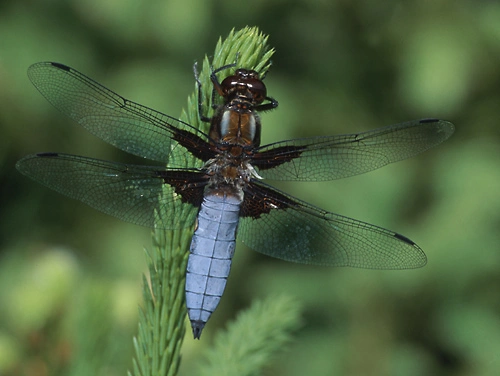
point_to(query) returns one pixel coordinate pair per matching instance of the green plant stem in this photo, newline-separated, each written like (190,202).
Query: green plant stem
(162,319)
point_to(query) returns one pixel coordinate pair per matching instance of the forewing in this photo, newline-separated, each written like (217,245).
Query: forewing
(136,194)
(336,157)
(127,125)
(281,226)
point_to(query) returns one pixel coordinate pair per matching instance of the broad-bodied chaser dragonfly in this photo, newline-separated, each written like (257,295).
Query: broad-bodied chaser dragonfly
(228,189)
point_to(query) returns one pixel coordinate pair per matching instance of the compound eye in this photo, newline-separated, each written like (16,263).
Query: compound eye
(245,80)
(258,89)
(231,81)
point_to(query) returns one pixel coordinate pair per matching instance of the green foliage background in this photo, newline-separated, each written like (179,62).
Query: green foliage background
(70,278)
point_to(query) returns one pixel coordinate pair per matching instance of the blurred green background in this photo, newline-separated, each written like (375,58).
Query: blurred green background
(340,67)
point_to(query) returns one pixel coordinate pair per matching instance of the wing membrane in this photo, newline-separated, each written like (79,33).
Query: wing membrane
(127,125)
(293,230)
(336,157)
(136,194)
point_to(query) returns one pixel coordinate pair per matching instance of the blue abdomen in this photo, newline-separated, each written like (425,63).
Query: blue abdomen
(212,249)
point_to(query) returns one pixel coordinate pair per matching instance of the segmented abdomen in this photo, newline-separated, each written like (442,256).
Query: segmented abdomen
(212,249)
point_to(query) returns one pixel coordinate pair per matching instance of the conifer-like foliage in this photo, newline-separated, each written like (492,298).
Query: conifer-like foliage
(162,319)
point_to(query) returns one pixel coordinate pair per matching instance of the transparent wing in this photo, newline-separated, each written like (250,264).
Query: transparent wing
(336,157)
(127,125)
(135,194)
(292,230)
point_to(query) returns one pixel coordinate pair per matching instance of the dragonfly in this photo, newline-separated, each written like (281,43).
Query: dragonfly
(224,190)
